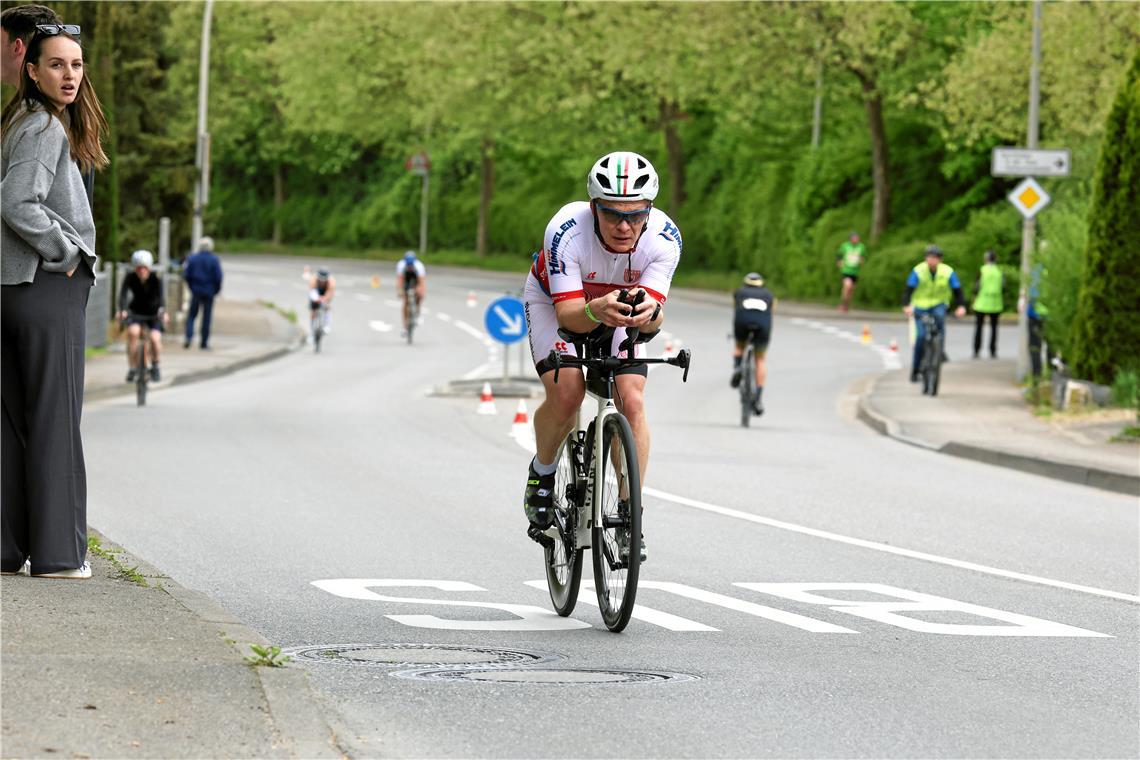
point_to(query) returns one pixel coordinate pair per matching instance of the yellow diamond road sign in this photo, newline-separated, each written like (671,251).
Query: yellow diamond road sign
(1029,197)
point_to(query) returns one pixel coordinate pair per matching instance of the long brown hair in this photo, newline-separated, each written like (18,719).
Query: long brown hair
(85,124)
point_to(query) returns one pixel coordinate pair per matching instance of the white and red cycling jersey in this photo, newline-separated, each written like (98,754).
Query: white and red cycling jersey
(573,263)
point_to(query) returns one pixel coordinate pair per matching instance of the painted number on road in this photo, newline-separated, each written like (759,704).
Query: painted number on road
(875,602)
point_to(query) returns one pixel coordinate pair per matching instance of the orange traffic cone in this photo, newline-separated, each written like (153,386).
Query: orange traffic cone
(668,351)
(521,425)
(471,300)
(375,281)
(486,401)
(306,273)
(866,339)
(894,345)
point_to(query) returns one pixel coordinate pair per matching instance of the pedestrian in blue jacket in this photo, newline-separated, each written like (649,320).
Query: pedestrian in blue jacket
(203,275)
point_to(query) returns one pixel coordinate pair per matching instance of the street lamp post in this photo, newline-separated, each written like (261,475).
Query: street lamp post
(202,152)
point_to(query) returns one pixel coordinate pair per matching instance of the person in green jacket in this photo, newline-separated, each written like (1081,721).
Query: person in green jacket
(987,303)
(851,256)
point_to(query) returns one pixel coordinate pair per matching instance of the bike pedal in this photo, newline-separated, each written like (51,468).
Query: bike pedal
(540,537)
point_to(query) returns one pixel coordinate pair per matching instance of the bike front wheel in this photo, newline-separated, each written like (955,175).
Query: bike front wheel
(616,541)
(563,558)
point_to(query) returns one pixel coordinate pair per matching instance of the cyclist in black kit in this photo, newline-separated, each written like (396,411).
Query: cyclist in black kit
(753,314)
(142,302)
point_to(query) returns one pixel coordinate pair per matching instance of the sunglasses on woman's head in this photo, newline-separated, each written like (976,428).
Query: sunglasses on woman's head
(53,29)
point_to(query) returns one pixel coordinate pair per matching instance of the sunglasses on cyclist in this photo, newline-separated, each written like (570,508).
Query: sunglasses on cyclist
(53,29)
(615,217)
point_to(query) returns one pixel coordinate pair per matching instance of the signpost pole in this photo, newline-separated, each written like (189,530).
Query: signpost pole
(1028,225)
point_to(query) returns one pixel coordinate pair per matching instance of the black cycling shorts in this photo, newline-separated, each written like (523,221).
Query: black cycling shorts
(852,277)
(154,323)
(760,334)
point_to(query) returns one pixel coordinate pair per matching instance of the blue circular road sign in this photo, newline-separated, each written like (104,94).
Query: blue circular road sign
(505,319)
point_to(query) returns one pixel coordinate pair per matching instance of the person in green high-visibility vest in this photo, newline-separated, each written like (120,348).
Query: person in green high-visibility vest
(987,303)
(851,256)
(929,287)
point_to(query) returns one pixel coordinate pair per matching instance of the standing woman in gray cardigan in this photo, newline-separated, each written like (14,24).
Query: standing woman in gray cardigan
(51,132)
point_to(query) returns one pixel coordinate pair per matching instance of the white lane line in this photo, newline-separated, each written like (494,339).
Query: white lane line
(393,303)
(683,501)
(473,332)
(528,444)
(362,297)
(443,317)
(477,371)
(379,326)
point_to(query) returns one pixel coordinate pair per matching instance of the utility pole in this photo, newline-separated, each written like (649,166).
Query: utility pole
(1029,225)
(202,153)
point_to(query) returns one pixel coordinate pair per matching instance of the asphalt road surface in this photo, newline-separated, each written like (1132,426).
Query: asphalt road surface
(812,589)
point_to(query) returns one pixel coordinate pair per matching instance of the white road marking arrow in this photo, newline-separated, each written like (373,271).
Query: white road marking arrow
(379,326)
(512,325)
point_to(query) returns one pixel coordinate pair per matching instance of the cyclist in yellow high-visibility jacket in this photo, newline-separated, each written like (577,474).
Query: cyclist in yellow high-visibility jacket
(928,290)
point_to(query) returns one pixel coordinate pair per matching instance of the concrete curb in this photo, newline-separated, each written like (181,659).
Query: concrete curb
(1092,477)
(127,389)
(294,711)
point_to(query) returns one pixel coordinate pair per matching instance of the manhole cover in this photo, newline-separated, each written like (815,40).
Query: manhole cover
(425,655)
(547,676)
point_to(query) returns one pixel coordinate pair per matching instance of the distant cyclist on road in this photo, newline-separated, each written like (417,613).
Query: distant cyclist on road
(142,302)
(322,288)
(753,316)
(928,290)
(411,277)
(850,258)
(590,253)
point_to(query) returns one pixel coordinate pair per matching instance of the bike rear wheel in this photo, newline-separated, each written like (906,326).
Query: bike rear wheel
(746,390)
(619,481)
(315,326)
(931,364)
(563,559)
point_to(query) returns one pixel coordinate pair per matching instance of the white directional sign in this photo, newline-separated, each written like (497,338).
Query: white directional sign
(1022,162)
(1029,197)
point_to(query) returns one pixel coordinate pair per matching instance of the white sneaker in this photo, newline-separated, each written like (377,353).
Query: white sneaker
(25,570)
(76,574)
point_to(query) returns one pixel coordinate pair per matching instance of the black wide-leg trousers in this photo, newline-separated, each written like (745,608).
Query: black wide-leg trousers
(43,491)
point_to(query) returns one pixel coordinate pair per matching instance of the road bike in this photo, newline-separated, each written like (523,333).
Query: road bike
(930,363)
(597,485)
(142,373)
(747,381)
(317,319)
(411,313)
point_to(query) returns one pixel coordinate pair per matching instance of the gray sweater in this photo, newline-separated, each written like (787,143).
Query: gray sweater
(43,204)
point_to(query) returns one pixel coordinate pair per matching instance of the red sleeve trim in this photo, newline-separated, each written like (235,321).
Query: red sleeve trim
(559,297)
(657,296)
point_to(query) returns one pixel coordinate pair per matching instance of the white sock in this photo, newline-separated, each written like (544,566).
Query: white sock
(543,469)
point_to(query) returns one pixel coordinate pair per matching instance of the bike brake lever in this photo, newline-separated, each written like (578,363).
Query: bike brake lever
(683,361)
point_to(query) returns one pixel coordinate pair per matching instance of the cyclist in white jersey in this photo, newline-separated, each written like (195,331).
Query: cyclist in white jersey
(591,252)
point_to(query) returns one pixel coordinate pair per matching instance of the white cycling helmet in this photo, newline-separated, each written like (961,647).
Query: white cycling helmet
(622,176)
(142,258)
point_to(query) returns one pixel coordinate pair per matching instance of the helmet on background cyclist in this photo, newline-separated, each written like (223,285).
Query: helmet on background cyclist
(322,274)
(754,279)
(622,176)
(932,250)
(853,237)
(142,258)
(409,256)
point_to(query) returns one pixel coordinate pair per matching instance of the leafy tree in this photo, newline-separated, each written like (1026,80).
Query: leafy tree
(1107,330)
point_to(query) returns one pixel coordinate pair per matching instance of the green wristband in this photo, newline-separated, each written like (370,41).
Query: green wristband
(590,315)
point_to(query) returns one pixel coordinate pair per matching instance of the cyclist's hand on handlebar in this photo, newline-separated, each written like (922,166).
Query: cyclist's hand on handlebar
(610,310)
(645,311)
(908,310)
(960,312)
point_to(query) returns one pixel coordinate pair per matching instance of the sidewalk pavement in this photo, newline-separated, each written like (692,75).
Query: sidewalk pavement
(129,664)
(979,414)
(243,333)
